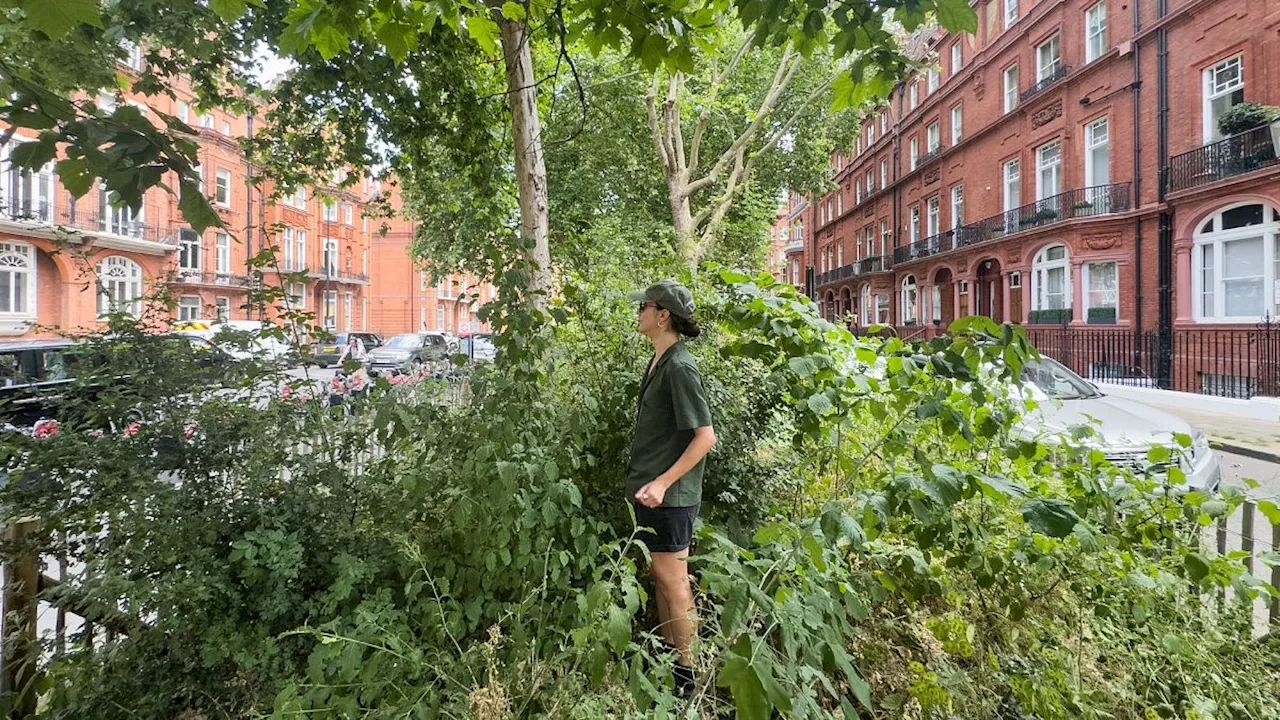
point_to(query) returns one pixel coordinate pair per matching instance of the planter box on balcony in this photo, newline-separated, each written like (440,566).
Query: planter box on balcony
(1102,316)
(1049,317)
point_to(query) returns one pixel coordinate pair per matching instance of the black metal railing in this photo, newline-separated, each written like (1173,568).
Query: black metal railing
(932,245)
(197,277)
(115,224)
(1236,155)
(929,156)
(1230,362)
(1058,73)
(878,263)
(26,209)
(1070,205)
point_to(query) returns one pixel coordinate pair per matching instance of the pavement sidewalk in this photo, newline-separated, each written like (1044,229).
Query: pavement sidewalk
(1245,436)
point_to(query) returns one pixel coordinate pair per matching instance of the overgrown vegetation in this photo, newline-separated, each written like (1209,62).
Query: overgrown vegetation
(876,544)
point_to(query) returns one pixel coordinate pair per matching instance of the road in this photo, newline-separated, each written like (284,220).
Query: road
(1235,468)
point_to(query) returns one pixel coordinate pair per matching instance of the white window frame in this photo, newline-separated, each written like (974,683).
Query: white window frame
(871,134)
(1095,34)
(222,254)
(222,308)
(884,174)
(871,181)
(184,111)
(219,196)
(1010,13)
(1040,268)
(957,124)
(933,78)
(225,128)
(330,211)
(957,56)
(26,187)
(19,258)
(913,224)
(348,217)
(1049,166)
(884,237)
(1010,80)
(330,303)
(1097,138)
(1047,63)
(190,250)
(1011,175)
(933,216)
(884,123)
(300,253)
(329,259)
(957,206)
(1086,280)
(864,303)
(298,295)
(1212,91)
(915,151)
(1214,244)
(934,137)
(122,287)
(913,95)
(910,311)
(189,308)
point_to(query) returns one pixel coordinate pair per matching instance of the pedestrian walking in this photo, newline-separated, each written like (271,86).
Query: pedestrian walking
(668,455)
(354,349)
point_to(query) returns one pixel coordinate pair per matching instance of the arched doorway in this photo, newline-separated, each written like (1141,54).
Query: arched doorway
(989,296)
(944,308)
(829,307)
(846,305)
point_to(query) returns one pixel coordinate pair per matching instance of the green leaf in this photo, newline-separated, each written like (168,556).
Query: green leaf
(744,685)
(618,629)
(75,176)
(398,39)
(957,16)
(1214,508)
(484,31)
(513,11)
(1197,566)
(231,10)
(1049,517)
(843,91)
(56,18)
(819,404)
(772,688)
(735,606)
(195,207)
(1269,509)
(1158,455)
(34,155)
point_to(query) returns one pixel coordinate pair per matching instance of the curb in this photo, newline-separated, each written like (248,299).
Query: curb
(1245,450)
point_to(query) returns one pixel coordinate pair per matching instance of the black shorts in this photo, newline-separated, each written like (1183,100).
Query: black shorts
(665,529)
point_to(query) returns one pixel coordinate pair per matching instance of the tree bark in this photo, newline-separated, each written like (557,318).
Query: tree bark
(531,170)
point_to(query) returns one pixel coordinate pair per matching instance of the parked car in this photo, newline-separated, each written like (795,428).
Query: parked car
(33,375)
(327,353)
(243,339)
(1126,429)
(409,349)
(478,347)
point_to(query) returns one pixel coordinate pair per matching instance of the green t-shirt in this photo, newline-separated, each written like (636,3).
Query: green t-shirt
(672,403)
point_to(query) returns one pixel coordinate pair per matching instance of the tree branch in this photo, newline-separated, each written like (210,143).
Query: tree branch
(782,77)
(677,134)
(704,118)
(653,126)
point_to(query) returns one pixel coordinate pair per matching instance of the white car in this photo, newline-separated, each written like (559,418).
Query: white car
(258,344)
(1125,429)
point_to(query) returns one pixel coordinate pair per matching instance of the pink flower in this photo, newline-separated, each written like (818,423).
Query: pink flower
(397,379)
(45,428)
(132,429)
(337,384)
(190,429)
(285,392)
(95,434)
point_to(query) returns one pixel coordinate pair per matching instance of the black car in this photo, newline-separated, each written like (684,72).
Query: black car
(33,375)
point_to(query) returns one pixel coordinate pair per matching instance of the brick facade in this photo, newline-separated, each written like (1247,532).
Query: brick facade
(1081,227)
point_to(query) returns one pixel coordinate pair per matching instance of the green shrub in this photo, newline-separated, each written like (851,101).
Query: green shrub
(1246,116)
(1102,316)
(1049,317)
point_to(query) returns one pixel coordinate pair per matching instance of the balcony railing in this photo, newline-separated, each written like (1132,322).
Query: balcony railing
(929,156)
(26,209)
(1059,73)
(196,277)
(878,263)
(1070,205)
(1250,150)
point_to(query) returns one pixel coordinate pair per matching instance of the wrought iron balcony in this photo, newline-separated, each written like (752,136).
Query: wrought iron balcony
(1070,205)
(878,263)
(26,209)
(932,245)
(929,156)
(1250,150)
(196,277)
(1058,73)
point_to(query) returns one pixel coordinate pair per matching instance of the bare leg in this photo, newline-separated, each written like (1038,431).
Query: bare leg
(671,576)
(664,614)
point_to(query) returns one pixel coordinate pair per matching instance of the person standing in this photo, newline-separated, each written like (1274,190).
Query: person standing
(668,455)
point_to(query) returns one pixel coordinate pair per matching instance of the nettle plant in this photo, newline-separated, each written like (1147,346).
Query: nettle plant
(890,547)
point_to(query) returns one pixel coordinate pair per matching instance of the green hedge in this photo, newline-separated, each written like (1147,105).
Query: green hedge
(1102,316)
(1049,317)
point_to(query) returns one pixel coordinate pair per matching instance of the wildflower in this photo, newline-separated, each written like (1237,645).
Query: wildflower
(190,430)
(132,429)
(45,428)
(95,434)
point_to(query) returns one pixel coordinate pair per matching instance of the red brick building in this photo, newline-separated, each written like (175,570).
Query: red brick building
(1063,166)
(1030,173)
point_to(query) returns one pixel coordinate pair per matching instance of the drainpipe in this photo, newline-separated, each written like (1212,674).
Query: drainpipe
(1137,184)
(1165,230)
(248,207)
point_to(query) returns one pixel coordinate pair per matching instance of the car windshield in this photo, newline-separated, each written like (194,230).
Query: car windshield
(405,342)
(1057,381)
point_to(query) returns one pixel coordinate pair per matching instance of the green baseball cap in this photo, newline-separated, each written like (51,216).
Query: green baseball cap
(671,295)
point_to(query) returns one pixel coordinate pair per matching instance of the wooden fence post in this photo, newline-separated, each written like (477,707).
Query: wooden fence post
(21,652)
(1246,533)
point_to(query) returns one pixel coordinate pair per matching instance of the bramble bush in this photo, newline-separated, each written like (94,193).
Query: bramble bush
(874,544)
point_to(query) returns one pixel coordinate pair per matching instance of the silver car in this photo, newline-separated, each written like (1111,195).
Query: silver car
(1125,430)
